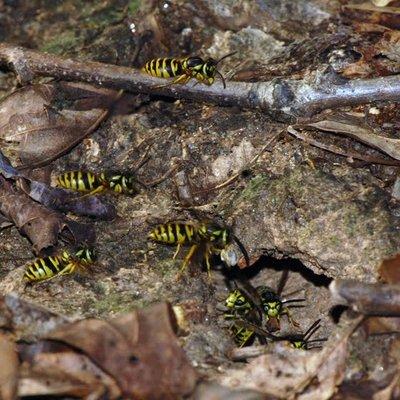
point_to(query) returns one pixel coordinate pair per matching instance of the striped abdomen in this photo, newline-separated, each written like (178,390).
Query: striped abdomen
(47,267)
(81,181)
(164,67)
(242,335)
(174,233)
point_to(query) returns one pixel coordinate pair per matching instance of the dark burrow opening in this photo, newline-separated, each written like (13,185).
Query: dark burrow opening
(291,280)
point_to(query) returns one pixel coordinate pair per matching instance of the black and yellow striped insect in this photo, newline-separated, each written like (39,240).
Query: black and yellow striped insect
(271,303)
(184,69)
(239,307)
(60,264)
(298,341)
(242,336)
(85,181)
(206,236)
(303,342)
(274,306)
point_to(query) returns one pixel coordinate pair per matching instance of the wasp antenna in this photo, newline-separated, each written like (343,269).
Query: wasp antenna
(312,329)
(314,347)
(293,301)
(226,56)
(282,281)
(223,79)
(317,340)
(243,250)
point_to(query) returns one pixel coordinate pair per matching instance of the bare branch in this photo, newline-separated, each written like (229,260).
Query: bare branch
(368,299)
(284,99)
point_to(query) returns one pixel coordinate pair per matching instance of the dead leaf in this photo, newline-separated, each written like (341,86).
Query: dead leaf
(389,270)
(45,121)
(27,320)
(350,127)
(54,369)
(41,225)
(68,201)
(56,198)
(139,350)
(9,369)
(381,3)
(373,8)
(289,373)
(212,391)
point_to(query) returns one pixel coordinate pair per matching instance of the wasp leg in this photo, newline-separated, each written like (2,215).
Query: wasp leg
(182,79)
(208,252)
(187,259)
(290,318)
(178,248)
(69,269)
(93,192)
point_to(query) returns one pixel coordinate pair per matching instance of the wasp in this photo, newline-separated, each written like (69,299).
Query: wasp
(242,335)
(184,69)
(206,236)
(271,303)
(303,342)
(298,341)
(61,264)
(274,306)
(85,181)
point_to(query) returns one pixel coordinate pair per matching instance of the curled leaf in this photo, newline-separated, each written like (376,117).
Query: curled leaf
(27,320)
(349,127)
(289,373)
(57,198)
(45,121)
(9,369)
(69,201)
(139,350)
(41,225)
(53,369)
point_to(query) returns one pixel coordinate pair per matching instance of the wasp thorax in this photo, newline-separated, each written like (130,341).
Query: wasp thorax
(193,62)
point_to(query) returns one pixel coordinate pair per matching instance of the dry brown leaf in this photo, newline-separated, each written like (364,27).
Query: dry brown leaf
(373,8)
(27,320)
(139,350)
(45,121)
(50,369)
(9,369)
(289,373)
(389,270)
(381,3)
(41,225)
(351,127)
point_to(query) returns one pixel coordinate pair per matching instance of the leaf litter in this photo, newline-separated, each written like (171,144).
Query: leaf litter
(68,360)
(135,355)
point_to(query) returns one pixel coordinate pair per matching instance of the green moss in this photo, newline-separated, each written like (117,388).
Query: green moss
(252,190)
(114,302)
(133,6)
(62,43)
(169,267)
(100,19)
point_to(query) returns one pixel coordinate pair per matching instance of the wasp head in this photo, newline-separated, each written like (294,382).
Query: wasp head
(122,183)
(86,255)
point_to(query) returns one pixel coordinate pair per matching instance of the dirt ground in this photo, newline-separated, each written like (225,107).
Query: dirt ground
(299,208)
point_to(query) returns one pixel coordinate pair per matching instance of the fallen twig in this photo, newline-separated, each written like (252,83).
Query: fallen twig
(336,150)
(368,299)
(283,99)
